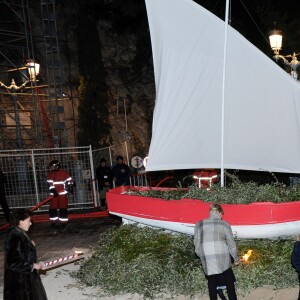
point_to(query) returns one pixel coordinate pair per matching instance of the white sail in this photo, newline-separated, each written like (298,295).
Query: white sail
(261,101)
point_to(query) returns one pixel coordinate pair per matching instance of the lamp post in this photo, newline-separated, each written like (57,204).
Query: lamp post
(275,38)
(33,69)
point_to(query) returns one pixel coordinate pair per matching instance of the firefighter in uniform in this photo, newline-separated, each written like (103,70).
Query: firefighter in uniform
(60,183)
(205,178)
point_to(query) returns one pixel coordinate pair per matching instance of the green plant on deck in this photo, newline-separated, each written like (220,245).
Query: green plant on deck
(151,262)
(235,192)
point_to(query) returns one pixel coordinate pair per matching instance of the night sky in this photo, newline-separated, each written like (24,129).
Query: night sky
(255,18)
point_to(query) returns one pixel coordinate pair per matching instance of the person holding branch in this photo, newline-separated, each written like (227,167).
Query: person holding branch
(21,278)
(215,245)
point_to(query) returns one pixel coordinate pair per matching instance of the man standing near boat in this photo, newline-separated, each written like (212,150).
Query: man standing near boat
(121,172)
(104,179)
(215,245)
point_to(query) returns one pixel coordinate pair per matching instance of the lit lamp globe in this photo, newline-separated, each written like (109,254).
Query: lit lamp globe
(33,69)
(275,38)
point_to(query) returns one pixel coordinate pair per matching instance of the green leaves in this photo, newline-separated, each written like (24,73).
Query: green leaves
(151,262)
(236,192)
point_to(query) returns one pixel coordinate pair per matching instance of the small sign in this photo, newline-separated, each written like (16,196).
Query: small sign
(86,174)
(137,162)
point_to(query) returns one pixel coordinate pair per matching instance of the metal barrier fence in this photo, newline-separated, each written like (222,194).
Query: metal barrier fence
(26,176)
(26,173)
(110,154)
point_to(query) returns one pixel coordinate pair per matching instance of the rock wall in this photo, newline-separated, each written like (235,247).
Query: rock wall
(126,55)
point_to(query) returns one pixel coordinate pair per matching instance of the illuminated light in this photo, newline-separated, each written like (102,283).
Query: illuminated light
(145,161)
(276,40)
(33,69)
(246,256)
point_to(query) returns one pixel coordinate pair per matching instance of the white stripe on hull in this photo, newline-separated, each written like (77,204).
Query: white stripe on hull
(267,231)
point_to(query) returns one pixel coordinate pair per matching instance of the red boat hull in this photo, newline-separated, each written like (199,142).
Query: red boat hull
(285,217)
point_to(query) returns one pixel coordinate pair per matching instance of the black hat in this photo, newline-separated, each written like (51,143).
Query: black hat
(119,157)
(102,160)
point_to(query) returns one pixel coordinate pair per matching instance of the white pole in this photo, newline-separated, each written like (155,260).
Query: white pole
(34,177)
(126,128)
(223,92)
(93,177)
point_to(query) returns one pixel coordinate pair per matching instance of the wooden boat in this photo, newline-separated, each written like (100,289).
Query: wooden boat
(249,221)
(208,118)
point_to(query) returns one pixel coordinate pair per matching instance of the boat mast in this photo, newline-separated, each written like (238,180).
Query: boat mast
(223,91)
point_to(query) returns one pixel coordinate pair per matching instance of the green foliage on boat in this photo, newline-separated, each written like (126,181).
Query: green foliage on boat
(235,192)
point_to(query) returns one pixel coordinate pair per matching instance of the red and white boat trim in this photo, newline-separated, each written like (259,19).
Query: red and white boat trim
(255,220)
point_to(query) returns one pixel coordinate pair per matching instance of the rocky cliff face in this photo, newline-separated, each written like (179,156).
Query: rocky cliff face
(127,60)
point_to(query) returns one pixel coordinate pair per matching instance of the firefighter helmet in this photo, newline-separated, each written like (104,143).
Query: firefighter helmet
(54,165)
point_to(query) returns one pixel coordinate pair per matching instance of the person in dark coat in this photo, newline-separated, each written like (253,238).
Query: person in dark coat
(295,260)
(121,172)
(104,179)
(21,278)
(3,200)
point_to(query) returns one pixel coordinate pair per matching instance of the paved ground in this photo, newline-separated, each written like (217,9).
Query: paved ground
(55,243)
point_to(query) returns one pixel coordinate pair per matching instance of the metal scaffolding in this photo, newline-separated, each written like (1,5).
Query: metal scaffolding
(52,58)
(32,116)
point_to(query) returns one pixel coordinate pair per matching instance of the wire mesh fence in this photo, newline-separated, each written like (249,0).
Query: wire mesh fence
(26,174)
(110,154)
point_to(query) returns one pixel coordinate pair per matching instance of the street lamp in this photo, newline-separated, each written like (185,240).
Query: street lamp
(275,38)
(33,69)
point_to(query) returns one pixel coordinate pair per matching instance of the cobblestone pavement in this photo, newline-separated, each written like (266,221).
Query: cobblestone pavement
(54,243)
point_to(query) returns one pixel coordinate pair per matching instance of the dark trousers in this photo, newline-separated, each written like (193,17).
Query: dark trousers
(59,208)
(227,278)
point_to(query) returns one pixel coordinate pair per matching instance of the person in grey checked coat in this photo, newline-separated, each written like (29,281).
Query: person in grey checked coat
(215,246)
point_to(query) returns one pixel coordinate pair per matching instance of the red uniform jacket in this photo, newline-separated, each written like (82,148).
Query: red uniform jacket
(59,180)
(205,178)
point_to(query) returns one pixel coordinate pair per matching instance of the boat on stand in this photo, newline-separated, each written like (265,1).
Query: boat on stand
(215,109)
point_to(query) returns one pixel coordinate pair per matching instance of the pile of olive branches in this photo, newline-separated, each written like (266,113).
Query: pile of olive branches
(153,263)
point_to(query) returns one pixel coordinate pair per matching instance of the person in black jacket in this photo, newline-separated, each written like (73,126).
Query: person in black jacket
(104,179)
(21,278)
(3,201)
(121,172)
(295,260)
